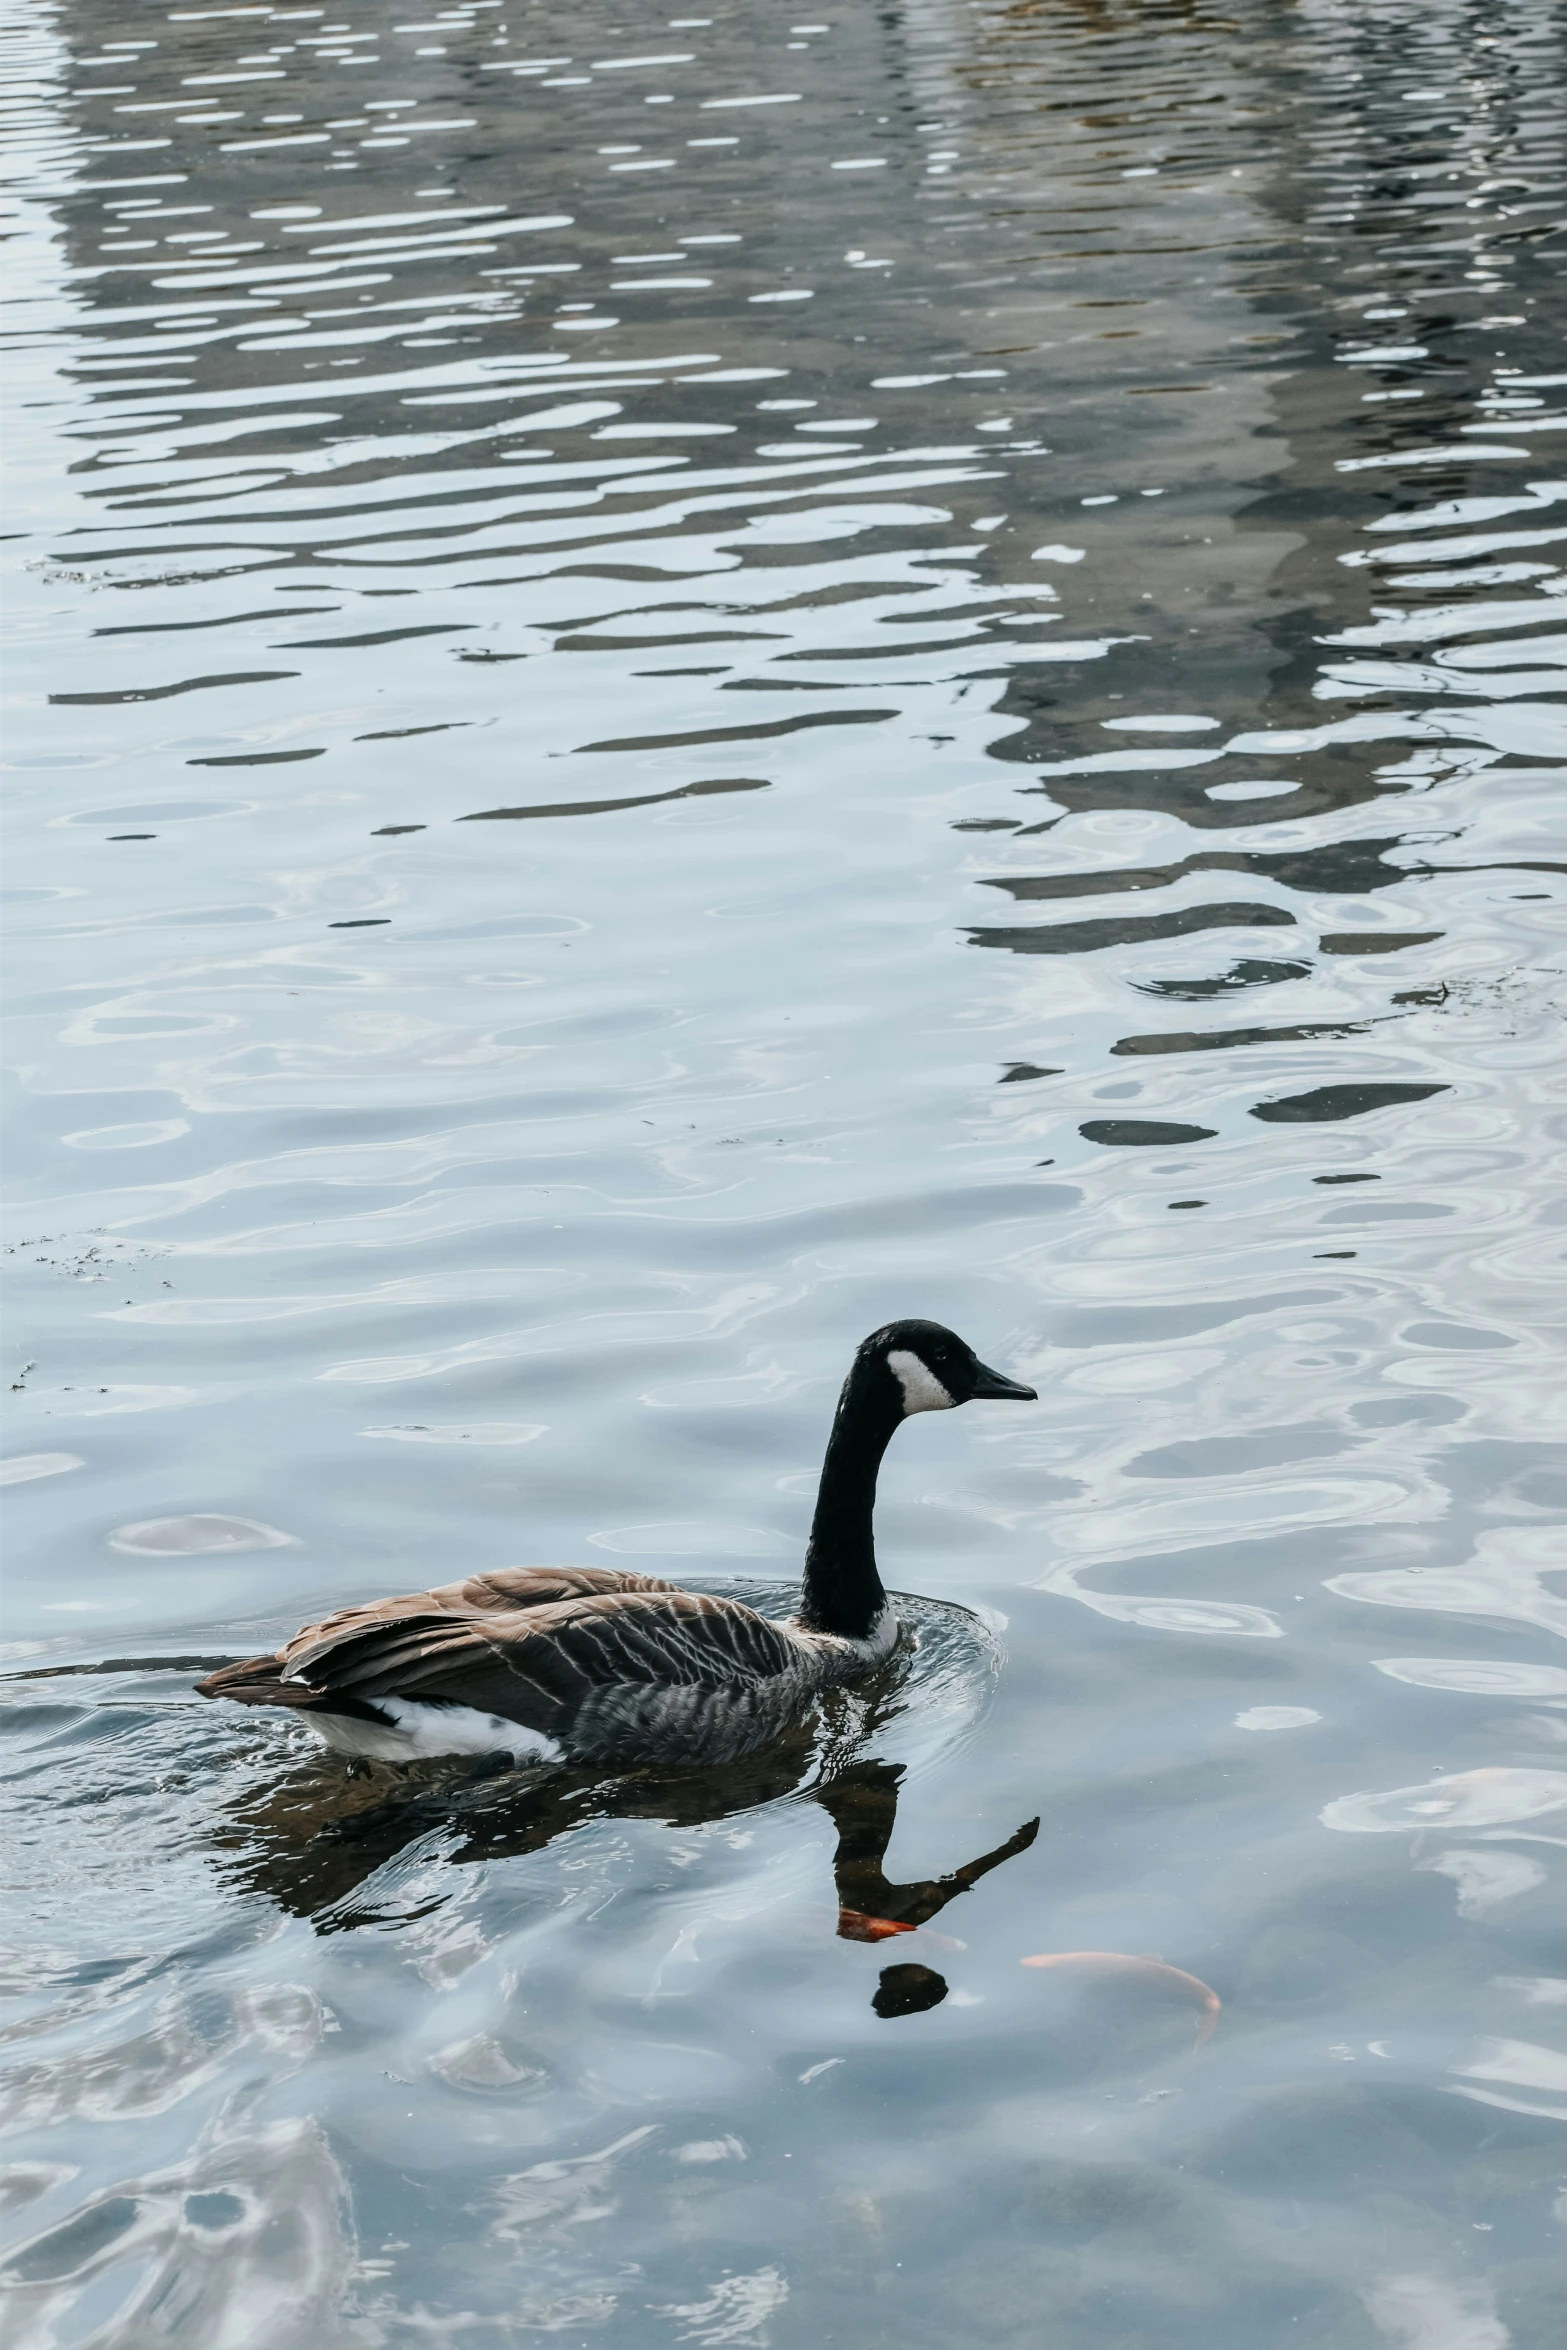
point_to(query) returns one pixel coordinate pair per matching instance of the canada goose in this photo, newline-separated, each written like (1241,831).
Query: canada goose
(591,1664)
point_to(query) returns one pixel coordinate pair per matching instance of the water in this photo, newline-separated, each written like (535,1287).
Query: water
(677,686)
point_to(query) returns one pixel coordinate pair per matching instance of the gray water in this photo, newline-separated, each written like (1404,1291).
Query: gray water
(677,685)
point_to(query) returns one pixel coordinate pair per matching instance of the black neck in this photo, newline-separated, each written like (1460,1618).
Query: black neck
(843,1592)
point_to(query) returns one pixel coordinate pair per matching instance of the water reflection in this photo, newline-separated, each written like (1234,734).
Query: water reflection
(315,1840)
(863,1806)
(1065,479)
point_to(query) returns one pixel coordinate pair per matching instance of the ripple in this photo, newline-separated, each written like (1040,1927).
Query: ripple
(1529,2079)
(609,1156)
(1168,1615)
(127,1138)
(1485,1880)
(198,1536)
(1503,1579)
(1477,1676)
(481,1432)
(1482,1798)
(22,1467)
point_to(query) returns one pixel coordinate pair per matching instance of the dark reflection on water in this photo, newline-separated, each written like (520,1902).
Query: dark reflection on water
(1073,480)
(312,1844)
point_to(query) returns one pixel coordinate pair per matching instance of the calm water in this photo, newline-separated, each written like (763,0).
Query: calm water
(678,684)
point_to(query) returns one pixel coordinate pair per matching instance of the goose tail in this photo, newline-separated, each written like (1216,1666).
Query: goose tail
(258,1680)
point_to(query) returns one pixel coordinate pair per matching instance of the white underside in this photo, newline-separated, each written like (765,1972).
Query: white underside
(415,1732)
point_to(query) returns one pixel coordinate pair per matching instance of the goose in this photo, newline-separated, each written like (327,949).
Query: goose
(596,1665)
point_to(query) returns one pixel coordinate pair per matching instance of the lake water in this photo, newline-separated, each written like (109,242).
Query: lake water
(935,636)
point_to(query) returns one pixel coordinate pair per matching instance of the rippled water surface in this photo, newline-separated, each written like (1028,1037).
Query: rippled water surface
(678,684)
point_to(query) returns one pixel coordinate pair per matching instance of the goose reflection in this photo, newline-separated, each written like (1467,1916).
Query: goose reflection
(862,1803)
(312,1842)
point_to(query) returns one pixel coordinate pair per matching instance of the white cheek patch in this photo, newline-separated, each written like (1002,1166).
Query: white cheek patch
(922,1390)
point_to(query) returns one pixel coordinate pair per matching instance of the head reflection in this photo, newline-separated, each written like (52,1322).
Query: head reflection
(313,1842)
(862,1802)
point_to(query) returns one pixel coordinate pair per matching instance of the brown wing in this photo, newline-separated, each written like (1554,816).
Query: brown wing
(506,1588)
(537,1586)
(538,1664)
(278,1679)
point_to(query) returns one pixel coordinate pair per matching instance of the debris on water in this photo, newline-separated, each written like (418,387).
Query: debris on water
(1152,1971)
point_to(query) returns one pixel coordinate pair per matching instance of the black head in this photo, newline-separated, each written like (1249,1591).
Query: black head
(933,1370)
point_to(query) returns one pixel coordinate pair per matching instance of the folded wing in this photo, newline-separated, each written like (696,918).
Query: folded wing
(285,1678)
(577,1668)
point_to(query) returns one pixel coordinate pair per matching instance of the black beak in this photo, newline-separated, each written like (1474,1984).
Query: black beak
(994,1387)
